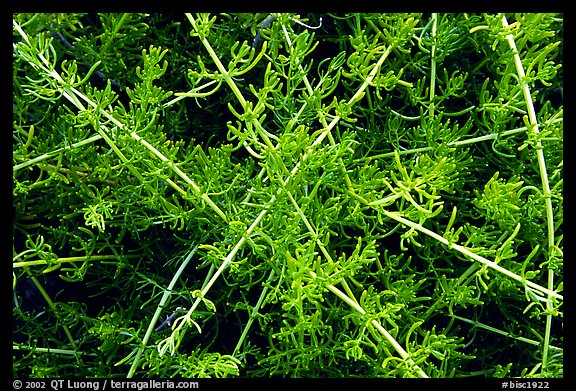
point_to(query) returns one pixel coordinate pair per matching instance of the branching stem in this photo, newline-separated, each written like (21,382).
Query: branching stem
(544,178)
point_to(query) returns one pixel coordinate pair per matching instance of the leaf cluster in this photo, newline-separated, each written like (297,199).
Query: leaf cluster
(344,195)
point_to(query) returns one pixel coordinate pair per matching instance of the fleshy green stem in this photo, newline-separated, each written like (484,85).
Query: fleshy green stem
(352,303)
(544,178)
(472,255)
(158,311)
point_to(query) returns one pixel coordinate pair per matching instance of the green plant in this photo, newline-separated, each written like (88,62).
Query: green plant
(361,195)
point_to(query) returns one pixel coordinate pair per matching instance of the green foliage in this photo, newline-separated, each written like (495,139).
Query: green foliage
(357,195)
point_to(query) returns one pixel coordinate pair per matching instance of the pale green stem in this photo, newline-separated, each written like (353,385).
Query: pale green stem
(433,66)
(309,227)
(72,94)
(322,118)
(254,313)
(180,324)
(157,153)
(50,304)
(498,331)
(349,298)
(263,133)
(473,140)
(194,93)
(357,96)
(50,154)
(38,349)
(375,323)
(158,311)
(70,260)
(470,254)
(543,177)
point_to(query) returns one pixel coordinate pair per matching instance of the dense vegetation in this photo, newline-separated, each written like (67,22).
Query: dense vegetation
(337,195)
